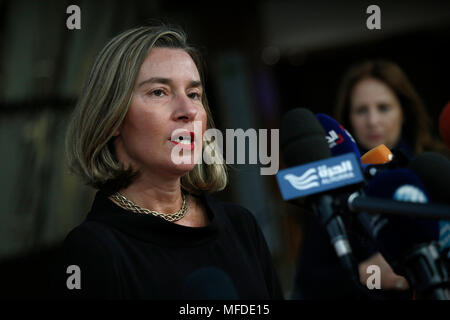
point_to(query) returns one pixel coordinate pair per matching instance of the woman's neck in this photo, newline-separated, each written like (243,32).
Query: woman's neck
(164,196)
(155,193)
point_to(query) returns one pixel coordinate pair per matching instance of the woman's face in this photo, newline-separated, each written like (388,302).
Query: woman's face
(375,114)
(165,105)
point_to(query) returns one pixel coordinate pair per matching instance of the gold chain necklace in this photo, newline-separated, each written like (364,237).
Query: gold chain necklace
(130,205)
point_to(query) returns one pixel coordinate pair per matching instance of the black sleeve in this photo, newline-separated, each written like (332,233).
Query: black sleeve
(86,251)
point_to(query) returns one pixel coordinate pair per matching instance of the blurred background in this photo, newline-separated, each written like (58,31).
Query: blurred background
(263,57)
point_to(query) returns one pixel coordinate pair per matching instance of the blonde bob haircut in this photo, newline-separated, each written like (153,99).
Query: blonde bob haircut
(104,102)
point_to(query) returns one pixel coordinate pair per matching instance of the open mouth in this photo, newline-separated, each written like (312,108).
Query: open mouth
(185,140)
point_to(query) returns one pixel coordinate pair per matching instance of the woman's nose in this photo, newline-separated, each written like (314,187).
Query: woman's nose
(185,108)
(373,117)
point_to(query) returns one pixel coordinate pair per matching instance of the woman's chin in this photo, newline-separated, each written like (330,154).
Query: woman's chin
(181,168)
(371,144)
(185,162)
(185,168)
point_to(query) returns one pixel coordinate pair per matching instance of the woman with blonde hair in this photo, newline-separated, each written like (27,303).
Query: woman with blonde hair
(154,232)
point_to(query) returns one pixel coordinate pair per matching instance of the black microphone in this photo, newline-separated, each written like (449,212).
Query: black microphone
(409,244)
(433,169)
(413,225)
(317,176)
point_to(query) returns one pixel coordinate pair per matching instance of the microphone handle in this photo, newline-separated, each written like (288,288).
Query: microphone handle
(427,273)
(324,209)
(323,206)
(423,267)
(373,205)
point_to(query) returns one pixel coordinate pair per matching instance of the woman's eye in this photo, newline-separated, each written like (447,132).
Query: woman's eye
(383,107)
(194,95)
(157,92)
(361,110)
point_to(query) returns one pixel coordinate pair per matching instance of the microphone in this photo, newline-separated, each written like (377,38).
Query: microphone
(400,185)
(414,253)
(444,124)
(340,141)
(319,180)
(314,173)
(374,160)
(381,158)
(433,169)
(300,131)
(378,155)
(358,202)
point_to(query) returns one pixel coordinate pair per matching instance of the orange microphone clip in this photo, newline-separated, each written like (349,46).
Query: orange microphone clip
(378,155)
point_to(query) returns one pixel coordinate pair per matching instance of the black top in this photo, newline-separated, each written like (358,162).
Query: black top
(122,254)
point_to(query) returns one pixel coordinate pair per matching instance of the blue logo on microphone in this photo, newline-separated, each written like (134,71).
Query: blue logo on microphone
(319,176)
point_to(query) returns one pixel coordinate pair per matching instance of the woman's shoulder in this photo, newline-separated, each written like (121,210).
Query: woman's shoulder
(86,262)
(90,235)
(91,246)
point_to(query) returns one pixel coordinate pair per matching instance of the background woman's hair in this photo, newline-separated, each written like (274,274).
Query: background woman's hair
(417,123)
(105,100)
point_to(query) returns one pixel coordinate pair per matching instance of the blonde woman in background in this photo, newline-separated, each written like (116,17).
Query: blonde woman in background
(154,231)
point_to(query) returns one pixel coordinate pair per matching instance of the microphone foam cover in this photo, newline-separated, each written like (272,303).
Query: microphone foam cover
(302,138)
(340,140)
(386,183)
(433,169)
(396,235)
(378,155)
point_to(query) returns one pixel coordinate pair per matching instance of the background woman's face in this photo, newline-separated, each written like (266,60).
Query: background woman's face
(167,96)
(375,114)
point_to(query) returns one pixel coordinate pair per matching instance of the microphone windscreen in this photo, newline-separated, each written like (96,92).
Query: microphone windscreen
(302,138)
(340,141)
(433,169)
(209,283)
(386,184)
(444,124)
(396,235)
(378,155)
